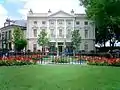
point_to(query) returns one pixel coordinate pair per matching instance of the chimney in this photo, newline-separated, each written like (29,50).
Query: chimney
(30,11)
(49,11)
(72,11)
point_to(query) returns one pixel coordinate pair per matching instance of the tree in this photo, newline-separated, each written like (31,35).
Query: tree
(42,39)
(106,15)
(18,39)
(20,44)
(76,39)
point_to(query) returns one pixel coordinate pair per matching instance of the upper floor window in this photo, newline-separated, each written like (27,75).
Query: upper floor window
(43,22)
(60,32)
(0,36)
(43,30)
(86,23)
(51,22)
(6,35)
(9,34)
(86,47)
(69,22)
(68,33)
(3,35)
(86,33)
(77,22)
(35,32)
(52,33)
(60,22)
(34,47)
(35,22)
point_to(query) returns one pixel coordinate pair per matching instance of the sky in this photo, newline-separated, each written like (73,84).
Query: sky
(18,9)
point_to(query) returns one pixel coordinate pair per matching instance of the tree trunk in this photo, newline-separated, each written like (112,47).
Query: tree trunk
(110,42)
(104,43)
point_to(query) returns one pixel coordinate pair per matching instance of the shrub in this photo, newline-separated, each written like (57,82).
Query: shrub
(60,60)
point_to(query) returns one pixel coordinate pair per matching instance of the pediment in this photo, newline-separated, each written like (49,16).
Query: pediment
(61,14)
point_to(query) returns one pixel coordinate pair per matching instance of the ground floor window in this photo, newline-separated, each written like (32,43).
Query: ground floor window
(34,47)
(86,47)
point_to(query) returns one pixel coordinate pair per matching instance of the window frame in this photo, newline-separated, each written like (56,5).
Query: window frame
(60,33)
(77,22)
(85,22)
(86,35)
(35,33)
(52,33)
(34,47)
(35,22)
(43,22)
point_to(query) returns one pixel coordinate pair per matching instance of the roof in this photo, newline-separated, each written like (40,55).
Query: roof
(62,12)
(20,23)
(51,14)
(39,14)
(79,15)
(22,27)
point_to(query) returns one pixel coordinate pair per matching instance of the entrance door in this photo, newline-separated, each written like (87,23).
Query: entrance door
(60,48)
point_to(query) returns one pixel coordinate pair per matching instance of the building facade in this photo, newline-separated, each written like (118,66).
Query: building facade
(59,26)
(6,33)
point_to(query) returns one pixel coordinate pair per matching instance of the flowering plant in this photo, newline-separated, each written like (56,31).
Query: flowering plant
(19,60)
(94,60)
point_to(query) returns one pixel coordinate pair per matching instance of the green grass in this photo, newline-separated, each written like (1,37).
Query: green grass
(59,77)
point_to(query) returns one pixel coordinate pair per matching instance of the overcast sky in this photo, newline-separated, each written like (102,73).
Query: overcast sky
(17,9)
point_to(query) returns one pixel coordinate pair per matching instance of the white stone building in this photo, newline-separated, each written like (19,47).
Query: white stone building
(59,26)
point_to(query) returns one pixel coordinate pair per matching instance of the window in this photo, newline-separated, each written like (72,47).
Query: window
(77,23)
(86,33)
(43,22)
(86,46)
(0,36)
(43,30)
(9,34)
(85,23)
(35,32)
(68,33)
(52,33)
(34,47)
(69,23)
(10,45)
(35,22)
(60,32)
(51,22)
(5,35)
(60,22)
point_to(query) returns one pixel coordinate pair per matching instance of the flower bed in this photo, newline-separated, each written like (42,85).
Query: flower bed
(19,60)
(94,60)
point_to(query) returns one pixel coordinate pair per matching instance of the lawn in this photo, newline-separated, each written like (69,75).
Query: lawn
(59,77)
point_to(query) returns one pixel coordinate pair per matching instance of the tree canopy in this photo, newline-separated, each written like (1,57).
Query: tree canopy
(43,39)
(106,15)
(18,39)
(76,39)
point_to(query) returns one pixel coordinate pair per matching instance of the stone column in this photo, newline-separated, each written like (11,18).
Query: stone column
(65,33)
(56,31)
